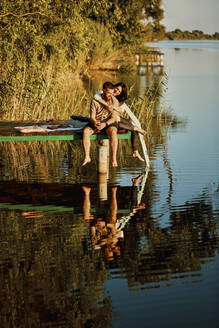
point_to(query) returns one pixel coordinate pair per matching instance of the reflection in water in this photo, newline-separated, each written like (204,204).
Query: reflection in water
(106,232)
(63,236)
(51,270)
(176,251)
(54,264)
(46,277)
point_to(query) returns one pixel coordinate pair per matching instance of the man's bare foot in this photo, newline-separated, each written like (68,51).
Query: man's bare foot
(137,155)
(86,189)
(86,160)
(114,164)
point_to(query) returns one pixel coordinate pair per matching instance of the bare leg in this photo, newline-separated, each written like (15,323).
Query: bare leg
(112,132)
(113,206)
(86,204)
(87,132)
(140,130)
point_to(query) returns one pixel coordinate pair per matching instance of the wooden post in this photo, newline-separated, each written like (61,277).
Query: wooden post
(103,151)
(161,60)
(103,168)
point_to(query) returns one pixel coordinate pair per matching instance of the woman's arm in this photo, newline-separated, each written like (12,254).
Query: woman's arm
(117,109)
(98,97)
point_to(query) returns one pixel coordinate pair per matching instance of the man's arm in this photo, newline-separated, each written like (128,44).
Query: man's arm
(93,111)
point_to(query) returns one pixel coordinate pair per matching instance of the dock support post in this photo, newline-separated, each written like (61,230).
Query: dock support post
(103,168)
(103,157)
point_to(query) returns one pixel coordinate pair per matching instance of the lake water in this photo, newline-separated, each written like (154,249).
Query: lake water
(80,251)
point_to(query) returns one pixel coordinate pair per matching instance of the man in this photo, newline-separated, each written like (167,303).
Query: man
(102,118)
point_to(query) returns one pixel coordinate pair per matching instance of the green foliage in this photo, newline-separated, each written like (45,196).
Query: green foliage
(39,41)
(36,46)
(153,9)
(121,18)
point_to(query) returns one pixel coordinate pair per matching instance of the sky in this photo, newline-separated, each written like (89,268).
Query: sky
(191,15)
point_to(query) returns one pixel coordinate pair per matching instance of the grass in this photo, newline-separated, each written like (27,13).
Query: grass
(67,96)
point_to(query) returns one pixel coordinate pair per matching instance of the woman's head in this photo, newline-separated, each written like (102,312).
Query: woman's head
(120,91)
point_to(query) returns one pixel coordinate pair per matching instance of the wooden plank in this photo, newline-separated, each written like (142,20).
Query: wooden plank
(78,136)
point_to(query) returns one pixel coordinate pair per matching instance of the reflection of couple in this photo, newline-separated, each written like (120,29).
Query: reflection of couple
(106,109)
(105,232)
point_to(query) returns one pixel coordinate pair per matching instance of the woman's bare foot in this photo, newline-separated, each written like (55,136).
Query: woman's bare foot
(139,130)
(86,160)
(135,181)
(137,155)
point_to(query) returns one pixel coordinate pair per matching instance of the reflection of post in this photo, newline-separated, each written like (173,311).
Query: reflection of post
(161,60)
(103,150)
(103,186)
(140,193)
(120,224)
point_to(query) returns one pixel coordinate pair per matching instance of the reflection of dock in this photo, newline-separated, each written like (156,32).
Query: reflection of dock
(146,61)
(52,196)
(34,199)
(54,208)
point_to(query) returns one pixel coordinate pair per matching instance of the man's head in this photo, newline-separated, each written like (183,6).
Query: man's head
(108,89)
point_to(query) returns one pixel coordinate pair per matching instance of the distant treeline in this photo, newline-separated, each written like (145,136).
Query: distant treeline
(194,35)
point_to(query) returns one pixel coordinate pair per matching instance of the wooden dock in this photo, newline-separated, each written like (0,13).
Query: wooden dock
(145,61)
(9,134)
(60,137)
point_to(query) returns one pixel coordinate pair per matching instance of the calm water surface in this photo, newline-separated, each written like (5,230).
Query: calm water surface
(77,251)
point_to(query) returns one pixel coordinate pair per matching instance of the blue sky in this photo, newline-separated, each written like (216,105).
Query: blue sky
(191,15)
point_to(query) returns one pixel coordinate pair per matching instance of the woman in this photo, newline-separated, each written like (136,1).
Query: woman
(120,92)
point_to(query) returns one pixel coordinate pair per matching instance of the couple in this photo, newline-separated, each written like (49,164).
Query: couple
(106,109)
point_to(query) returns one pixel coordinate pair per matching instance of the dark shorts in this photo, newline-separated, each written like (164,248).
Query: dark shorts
(104,129)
